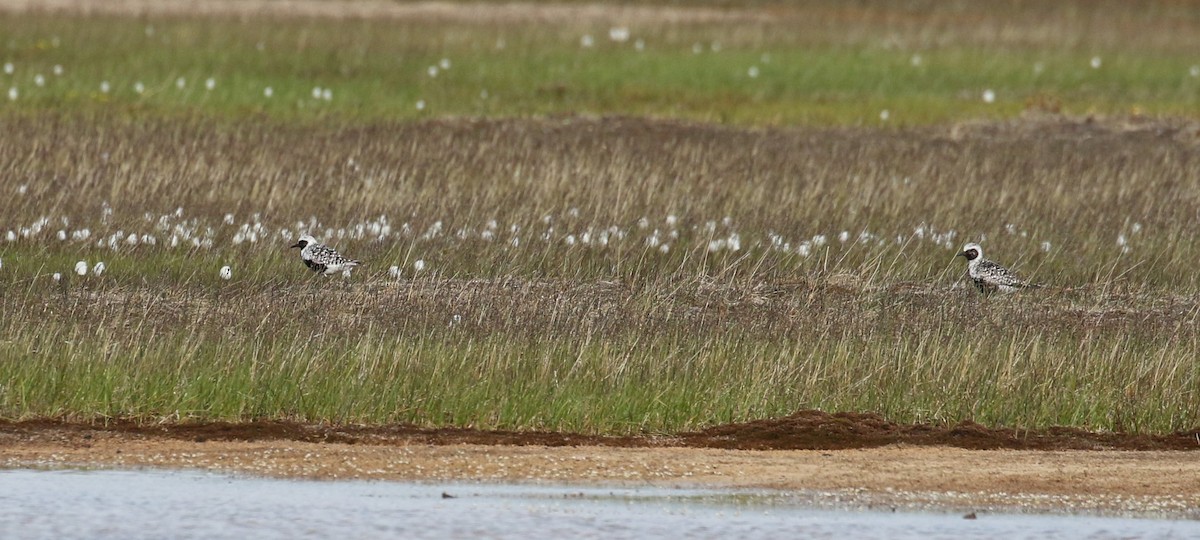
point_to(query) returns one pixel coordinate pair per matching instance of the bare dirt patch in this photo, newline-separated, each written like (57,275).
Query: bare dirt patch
(815,430)
(804,430)
(868,462)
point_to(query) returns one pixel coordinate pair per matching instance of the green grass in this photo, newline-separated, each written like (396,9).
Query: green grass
(379,69)
(254,354)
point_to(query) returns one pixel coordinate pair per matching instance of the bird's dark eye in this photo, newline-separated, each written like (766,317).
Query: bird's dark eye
(972,253)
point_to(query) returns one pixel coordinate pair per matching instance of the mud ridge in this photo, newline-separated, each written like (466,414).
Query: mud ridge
(804,430)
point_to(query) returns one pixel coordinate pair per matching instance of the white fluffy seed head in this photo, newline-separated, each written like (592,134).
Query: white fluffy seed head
(419,265)
(57,276)
(81,268)
(226,272)
(98,269)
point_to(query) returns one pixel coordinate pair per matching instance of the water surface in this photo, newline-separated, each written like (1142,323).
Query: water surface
(189,504)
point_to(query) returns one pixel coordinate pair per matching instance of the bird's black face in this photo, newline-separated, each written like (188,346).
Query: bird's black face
(970,254)
(301,244)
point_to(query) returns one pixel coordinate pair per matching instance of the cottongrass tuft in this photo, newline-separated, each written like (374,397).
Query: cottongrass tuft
(226,273)
(81,268)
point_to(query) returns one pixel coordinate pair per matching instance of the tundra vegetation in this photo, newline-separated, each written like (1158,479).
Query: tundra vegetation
(603,225)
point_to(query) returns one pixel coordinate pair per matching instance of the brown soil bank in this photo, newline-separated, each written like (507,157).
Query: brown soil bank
(804,430)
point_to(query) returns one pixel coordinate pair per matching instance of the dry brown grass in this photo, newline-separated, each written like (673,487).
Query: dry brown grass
(1081,186)
(604,338)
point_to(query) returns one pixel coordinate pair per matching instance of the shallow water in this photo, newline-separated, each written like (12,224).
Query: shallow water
(189,504)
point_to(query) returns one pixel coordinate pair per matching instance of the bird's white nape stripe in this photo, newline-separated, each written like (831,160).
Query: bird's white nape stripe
(989,276)
(323,259)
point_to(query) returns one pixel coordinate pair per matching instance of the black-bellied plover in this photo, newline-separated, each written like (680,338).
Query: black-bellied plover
(988,276)
(323,259)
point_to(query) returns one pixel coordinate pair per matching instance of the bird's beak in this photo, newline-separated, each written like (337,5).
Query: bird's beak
(296,246)
(959,254)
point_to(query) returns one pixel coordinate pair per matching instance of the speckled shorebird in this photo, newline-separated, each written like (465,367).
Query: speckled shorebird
(323,259)
(988,276)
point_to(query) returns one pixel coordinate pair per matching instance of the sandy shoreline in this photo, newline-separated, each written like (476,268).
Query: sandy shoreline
(1145,483)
